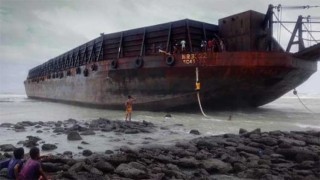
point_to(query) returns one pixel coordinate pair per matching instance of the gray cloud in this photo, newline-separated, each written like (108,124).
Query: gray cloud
(33,31)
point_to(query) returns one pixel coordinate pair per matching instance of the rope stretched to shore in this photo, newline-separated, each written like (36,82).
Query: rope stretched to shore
(201,106)
(296,93)
(198,94)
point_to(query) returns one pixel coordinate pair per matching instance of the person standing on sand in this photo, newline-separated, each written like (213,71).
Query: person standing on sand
(128,106)
(32,168)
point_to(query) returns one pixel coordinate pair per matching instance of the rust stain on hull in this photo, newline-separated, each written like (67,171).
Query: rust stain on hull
(227,79)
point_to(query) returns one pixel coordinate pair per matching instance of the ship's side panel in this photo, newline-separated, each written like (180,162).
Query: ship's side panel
(243,32)
(227,79)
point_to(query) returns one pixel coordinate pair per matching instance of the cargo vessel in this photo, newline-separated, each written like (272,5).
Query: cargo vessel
(238,63)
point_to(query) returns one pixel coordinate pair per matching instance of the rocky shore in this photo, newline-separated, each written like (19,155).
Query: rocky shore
(247,155)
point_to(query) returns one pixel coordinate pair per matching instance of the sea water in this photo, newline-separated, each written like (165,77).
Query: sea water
(288,113)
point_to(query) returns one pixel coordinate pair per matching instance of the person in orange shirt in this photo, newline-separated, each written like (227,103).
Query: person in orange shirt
(128,106)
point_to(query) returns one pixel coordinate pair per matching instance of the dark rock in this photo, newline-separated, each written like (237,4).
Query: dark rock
(104,166)
(242,131)
(164,128)
(86,152)
(33,138)
(58,130)
(168,116)
(108,152)
(20,142)
(77,127)
(126,149)
(4,174)
(292,142)
(48,147)
(71,121)
(79,147)
(130,172)
(76,167)
(195,132)
(7,147)
(107,129)
(27,123)
(131,131)
(92,170)
(216,165)
(18,127)
(74,136)
(254,136)
(7,155)
(138,166)
(248,149)
(38,126)
(298,153)
(269,141)
(256,131)
(285,145)
(206,143)
(313,141)
(68,153)
(51,167)
(238,167)
(306,165)
(6,125)
(188,162)
(84,142)
(88,132)
(30,143)
(58,124)
(39,131)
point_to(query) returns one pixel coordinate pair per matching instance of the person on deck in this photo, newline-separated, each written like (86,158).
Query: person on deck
(128,106)
(32,168)
(210,45)
(183,45)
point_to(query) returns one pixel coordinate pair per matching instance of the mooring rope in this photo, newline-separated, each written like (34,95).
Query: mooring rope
(198,94)
(296,93)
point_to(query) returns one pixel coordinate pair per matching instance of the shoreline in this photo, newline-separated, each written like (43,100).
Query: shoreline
(254,154)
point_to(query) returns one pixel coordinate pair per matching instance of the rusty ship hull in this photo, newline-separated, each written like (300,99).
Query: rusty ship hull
(246,67)
(227,80)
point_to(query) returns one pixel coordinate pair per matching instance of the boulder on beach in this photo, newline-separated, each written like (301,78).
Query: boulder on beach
(131,131)
(87,132)
(18,127)
(68,153)
(242,131)
(108,152)
(48,147)
(74,136)
(128,171)
(84,142)
(216,165)
(6,125)
(86,152)
(7,147)
(195,132)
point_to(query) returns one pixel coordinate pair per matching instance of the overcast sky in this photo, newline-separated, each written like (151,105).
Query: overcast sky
(33,31)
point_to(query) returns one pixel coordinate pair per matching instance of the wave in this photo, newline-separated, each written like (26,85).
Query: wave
(7,98)
(307,126)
